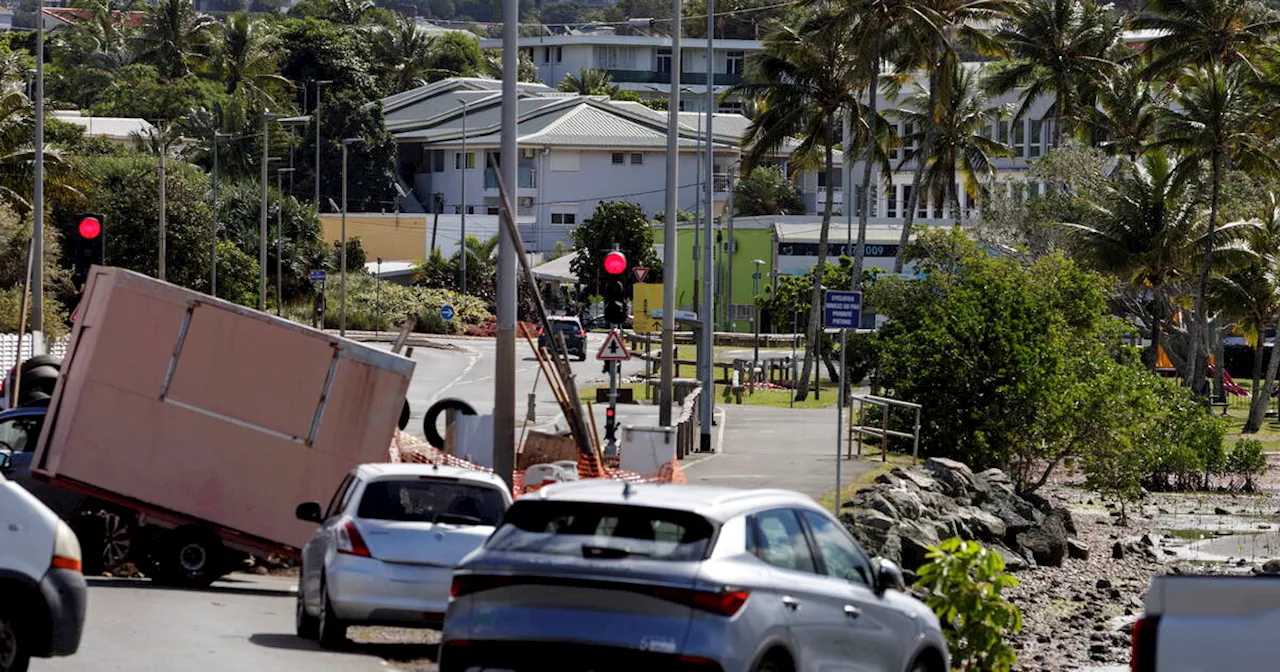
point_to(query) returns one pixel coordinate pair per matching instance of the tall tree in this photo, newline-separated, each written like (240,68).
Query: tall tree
(804,79)
(1124,121)
(17,153)
(1254,293)
(246,59)
(175,36)
(1061,49)
(1205,32)
(402,55)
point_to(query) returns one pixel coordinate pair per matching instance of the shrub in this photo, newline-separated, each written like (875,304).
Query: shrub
(962,583)
(1246,459)
(370,307)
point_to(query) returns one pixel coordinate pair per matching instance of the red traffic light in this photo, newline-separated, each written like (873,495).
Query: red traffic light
(90,228)
(615,263)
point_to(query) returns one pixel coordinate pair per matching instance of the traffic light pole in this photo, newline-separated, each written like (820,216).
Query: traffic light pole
(37,201)
(611,416)
(666,395)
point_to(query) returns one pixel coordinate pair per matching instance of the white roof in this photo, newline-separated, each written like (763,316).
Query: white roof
(557,270)
(809,233)
(115,128)
(390,268)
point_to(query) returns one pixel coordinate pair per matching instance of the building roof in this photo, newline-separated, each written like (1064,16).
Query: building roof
(791,232)
(114,128)
(69,15)
(614,40)
(557,270)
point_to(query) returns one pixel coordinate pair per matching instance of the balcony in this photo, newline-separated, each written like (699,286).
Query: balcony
(654,77)
(526,176)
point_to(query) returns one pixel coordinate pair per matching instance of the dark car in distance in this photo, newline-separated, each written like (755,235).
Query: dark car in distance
(575,337)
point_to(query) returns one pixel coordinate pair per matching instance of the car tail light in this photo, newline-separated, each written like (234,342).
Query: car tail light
(66,549)
(466,584)
(350,542)
(1142,654)
(723,602)
(582,332)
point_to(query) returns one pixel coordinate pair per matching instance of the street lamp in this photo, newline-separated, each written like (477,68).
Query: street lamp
(342,279)
(262,209)
(755,319)
(462,240)
(213,235)
(280,236)
(319,83)
(377,301)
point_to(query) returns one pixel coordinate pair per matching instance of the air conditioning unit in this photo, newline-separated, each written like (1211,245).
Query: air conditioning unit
(528,152)
(524,202)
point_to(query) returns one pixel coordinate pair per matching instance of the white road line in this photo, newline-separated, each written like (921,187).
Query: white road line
(475,359)
(720,411)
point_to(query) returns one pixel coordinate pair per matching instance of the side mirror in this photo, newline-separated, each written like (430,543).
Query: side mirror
(308,512)
(6,462)
(889,575)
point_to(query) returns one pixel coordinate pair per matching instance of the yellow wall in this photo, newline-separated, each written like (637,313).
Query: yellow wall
(389,236)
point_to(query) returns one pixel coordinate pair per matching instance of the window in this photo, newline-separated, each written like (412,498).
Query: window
(731,107)
(839,553)
(1002,132)
(564,218)
(1019,138)
(18,435)
(457,161)
(875,197)
(777,538)
(742,312)
(637,158)
(663,64)
(603,531)
(838,177)
(432,501)
(339,501)
(922,204)
(908,139)
(607,57)
(619,158)
(891,202)
(734,62)
(437,160)
(493,210)
(559,54)
(1037,136)
(937,207)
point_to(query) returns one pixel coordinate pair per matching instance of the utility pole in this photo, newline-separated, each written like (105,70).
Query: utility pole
(670,260)
(462,210)
(319,83)
(504,389)
(280,236)
(262,210)
(37,200)
(213,235)
(164,219)
(342,277)
(730,250)
(707,351)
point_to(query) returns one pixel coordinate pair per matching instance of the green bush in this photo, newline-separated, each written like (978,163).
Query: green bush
(1246,459)
(963,583)
(370,309)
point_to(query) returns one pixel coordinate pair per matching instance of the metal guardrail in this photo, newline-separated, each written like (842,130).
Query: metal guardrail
(688,426)
(883,431)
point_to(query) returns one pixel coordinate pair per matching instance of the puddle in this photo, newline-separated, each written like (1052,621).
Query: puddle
(1253,546)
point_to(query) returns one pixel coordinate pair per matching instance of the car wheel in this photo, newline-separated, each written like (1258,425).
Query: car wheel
(106,539)
(308,626)
(582,356)
(14,656)
(190,558)
(332,630)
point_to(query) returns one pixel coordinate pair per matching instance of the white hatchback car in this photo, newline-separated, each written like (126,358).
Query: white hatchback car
(387,545)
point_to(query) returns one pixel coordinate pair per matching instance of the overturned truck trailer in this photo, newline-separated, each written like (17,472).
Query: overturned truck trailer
(198,425)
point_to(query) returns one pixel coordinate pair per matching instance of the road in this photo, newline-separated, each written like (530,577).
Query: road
(242,624)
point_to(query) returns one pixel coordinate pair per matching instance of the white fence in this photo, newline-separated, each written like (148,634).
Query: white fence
(9,349)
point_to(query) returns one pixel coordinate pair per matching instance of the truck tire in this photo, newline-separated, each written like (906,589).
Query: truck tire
(106,540)
(429,420)
(41,379)
(331,629)
(188,557)
(15,653)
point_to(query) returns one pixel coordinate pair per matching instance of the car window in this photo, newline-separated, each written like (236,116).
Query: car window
(603,531)
(19,434)
(571,328)
(432,500)
(840,554)
(778,539)
(339,497)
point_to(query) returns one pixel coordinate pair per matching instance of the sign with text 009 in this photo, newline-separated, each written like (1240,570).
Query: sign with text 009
(842,310)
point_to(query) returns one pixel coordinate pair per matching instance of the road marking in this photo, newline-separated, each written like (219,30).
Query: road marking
(475,359)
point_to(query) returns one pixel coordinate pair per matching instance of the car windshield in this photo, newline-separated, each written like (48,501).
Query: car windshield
(432,500)
(567,327)
(603,531)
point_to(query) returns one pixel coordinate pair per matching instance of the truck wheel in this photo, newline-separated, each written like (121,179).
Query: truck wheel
(189,558)
(429,420)
(14,653)
(106,539)
(332,630)
(308,626)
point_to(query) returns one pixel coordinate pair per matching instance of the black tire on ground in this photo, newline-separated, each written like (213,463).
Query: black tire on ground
(429,420)
(332,630)
(308,626)
(582,356)
(189,557)
(776,660)
(106,540)
(404,415)
(14,653)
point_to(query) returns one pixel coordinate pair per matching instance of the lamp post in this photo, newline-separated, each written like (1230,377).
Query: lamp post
(37,201)
(319,83)
(462,239)
(280,236)
(342,278)
(755,319)
(213,235)
(262,210)
(377,301)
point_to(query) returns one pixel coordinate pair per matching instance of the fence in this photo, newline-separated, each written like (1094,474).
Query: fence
(9,349)
(689,425)
(857,431)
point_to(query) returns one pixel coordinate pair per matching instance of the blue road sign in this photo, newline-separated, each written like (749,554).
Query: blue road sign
(842,310)
(446,312)
(317,276)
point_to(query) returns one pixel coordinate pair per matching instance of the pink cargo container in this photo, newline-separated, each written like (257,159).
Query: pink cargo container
(205,423)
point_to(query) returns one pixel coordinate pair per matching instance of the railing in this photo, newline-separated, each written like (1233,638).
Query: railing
(654,77)
(882,432)
(720,183)
(9,350)
(688,426)
(527,178)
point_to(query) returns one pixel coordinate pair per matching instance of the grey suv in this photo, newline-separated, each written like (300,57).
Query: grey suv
(605,575)
(575,337)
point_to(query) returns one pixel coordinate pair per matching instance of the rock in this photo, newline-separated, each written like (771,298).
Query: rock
(985,526)
(874,520)
(905,502)
(1162,510)
(1102,584)
(1271,567)
(1016,514)
(1012,561)
(1098,648)
(877,502)
(996,479)
(915,545)
(890,480)
(1221,511)
(917,478)
(1117,551)
(954,478)
(1068,521)
(1115,593)
(1077,550)
(1047,543)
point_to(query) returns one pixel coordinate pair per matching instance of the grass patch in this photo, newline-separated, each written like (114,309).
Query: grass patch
(780,398)
(589,394)
(1238,412)
(847,491)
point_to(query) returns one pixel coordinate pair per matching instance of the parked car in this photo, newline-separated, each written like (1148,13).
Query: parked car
(575,337)
(601,574)
(42,592)
(1193,623)
(387,545)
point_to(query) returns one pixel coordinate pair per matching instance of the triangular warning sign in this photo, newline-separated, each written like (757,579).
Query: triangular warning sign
(613,350)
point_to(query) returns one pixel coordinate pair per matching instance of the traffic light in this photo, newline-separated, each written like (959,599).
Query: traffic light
(89,247)
(610,425)
(615,293)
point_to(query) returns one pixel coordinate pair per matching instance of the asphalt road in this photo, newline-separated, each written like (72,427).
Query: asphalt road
(242,624)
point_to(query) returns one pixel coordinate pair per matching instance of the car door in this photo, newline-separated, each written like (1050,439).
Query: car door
(19,431)
(317,550)
(876,635)
(816,620)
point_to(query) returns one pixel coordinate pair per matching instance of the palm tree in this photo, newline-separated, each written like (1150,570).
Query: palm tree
(804,79)
(1058,48)
(247,60)
(1254,292)
(958,145)
(350,12)
(175,36)
(17,154)
(1214,122)
(403,52)
(1204,32)
(589,82)
(1124,122)
(98,46)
